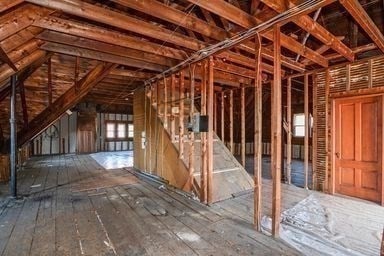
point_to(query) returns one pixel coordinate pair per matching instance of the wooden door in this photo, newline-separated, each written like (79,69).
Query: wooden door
(358,147)
(86,134)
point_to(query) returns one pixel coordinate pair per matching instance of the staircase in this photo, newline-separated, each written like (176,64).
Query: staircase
(229,177)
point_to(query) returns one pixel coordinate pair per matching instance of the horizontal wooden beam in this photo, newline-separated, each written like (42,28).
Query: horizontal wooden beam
(8,4)
(95,55)
(131,74)
(90,44)
(365,22)
(66,101)
(115,38)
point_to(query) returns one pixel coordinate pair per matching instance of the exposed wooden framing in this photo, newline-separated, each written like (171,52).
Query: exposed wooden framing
(242,113)
(23,104)
(6,71)
(314,129)
(289,129)
(254,6)
(208,29)
(191,162)
(231,121)
(241,18)
(222,118)
(356,50)
(165,104)
(69,99)
(117,50)
(13,138)
(173,98)
(204,166)
(134,75)
(258,137)
(7,4)
(97,33)
(210,91)
(306,126)
(77,71)
(365,22)
(90,54)
(328,187)
(215,112)
(49,64)
(311,26)
(276,136)
(4,57)
(181,115)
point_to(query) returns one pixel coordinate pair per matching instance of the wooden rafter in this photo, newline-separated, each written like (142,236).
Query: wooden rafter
(365,22)
(4,57)
(241,18)
(314,28)
(8,4)
(69,99)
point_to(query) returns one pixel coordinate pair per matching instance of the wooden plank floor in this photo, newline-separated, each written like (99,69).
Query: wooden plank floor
(68,210)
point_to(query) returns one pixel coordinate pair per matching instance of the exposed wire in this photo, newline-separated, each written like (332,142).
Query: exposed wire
(240,37)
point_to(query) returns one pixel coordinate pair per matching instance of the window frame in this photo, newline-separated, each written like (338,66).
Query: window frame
(310,122)
(116,124)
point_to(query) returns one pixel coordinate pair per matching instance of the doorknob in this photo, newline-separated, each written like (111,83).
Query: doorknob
(337,154)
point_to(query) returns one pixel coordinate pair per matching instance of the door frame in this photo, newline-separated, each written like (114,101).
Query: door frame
(331,154)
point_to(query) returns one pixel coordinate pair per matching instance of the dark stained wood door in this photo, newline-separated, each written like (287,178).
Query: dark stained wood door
(358,147)
(86,134)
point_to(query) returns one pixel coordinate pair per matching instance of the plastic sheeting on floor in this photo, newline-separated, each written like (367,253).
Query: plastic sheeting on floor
(308,227)
(114,160)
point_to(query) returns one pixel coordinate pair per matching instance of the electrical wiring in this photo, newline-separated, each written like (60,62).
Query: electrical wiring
(240,37)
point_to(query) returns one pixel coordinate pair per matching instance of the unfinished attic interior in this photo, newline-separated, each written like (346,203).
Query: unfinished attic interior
(191,127)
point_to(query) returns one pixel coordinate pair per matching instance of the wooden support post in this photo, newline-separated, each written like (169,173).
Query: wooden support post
(203,172)
(173,92)
(348,76)
(370,73)
(258,137)
(276,135)
(242,103)
(222,118)
(191,157)
(328,187)
(49,82)
(210,131)
(77,67)
(165,104)
(181,115)
(289,130)
(306,135)
(215,112)
(231,121)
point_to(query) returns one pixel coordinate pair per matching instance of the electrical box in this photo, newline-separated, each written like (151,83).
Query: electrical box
(198,123)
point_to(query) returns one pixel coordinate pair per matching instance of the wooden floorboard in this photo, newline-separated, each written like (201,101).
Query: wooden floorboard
(54,217)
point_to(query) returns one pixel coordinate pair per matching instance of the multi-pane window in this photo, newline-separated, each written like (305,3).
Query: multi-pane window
(118,130)
(299,125)
(111,130)
(130,130)
(121,130)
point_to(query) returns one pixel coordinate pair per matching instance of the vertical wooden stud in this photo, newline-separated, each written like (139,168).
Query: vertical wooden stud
(222,118)
(210,132)
(203,172)
(215,112)
(49,81)
(370,77)
(306,135)
(289,130)
(258,137)
(173,92)
(348,76)
(276,134)
(231,121)
(242,110)
(181,115)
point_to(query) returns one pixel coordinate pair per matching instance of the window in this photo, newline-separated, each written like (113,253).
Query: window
(299,125)
(130,130)
(121,131)
(110,130)
(118,130)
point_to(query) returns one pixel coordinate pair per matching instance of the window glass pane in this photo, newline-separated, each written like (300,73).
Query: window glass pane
(299,119)
(110,130)
(130,130)
(121,130)
(299,131)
